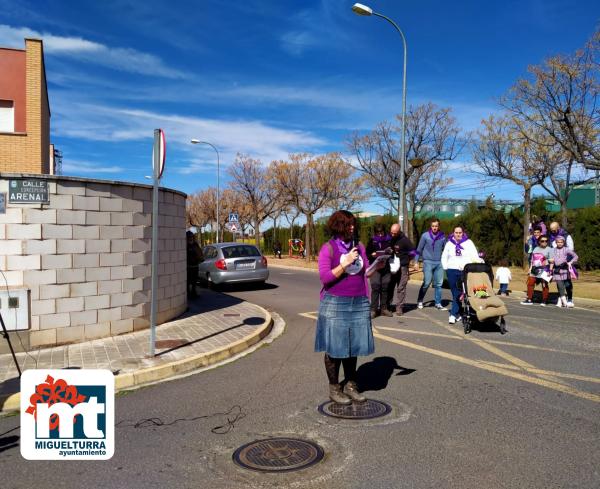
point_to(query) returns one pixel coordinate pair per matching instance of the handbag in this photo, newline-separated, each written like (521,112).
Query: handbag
(573,272)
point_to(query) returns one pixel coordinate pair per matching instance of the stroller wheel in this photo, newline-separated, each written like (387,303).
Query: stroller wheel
(503,329)
(466,324)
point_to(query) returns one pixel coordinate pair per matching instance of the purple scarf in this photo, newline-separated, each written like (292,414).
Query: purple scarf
(435,237)
(381,240)
(561,232)
(459,248)
(342,247)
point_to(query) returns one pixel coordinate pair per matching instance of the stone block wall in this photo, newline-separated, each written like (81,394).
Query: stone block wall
(86,258)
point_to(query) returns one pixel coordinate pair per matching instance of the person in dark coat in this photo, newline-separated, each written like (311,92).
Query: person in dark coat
(277,249)
(404,251)
(380,280)
(194,257)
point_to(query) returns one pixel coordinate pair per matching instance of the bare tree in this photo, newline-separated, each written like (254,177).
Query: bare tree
(196,213)
(311,183)
(432,139)
(500,152)
(556,108)
(254,183)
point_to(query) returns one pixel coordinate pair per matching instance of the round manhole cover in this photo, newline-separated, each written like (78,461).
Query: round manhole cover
(357,410)
(278,455)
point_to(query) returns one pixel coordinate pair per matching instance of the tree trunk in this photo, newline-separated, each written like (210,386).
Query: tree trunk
(526,221)
(307,244)
(564,218)
(256,231)
(274,238)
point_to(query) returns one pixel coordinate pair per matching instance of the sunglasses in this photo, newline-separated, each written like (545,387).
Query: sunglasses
(543,240)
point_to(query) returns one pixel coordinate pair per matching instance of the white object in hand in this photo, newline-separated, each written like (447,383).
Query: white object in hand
(354,267)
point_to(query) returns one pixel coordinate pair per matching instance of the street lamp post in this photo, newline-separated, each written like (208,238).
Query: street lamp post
(361,9)
(197,141)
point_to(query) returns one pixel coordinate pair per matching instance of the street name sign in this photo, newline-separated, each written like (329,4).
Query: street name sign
(28,191)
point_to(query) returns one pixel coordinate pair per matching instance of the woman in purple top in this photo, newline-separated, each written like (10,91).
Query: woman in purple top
(344,322)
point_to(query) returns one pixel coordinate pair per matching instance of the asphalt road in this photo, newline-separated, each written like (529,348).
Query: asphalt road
(482,411)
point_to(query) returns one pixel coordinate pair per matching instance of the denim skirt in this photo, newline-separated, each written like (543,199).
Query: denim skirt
(344,327)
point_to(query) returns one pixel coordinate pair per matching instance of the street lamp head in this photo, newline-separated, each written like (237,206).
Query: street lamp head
(361,9)
(195,141)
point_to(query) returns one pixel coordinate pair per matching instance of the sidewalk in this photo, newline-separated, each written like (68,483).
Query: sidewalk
(214,328)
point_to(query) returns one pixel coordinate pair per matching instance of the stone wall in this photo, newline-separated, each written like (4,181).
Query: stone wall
(86,258)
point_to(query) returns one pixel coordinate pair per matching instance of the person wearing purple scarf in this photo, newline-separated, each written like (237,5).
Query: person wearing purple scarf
(430,249)
(380,280)
(458,251)
(556,230)
(344,322)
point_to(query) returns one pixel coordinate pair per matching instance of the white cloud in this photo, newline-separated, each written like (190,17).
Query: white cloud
(91,122)
(296,42)
(118,58)
(78,167)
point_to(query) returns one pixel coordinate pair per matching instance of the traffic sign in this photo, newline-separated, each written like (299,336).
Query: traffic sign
(162,153)
(233,228)
(233,217)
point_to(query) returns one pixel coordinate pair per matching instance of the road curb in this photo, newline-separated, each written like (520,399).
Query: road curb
(12,402)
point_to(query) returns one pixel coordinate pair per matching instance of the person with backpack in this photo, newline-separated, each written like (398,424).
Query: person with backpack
(343,329)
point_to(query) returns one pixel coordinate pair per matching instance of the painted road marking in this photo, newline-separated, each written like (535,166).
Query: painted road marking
(516,369)
(583,378)
(496,351)
(496,342)
(566,389)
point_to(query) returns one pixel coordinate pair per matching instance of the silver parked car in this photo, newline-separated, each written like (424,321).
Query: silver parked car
(232,263)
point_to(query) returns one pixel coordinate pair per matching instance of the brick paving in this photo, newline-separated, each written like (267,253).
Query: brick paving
(213,321)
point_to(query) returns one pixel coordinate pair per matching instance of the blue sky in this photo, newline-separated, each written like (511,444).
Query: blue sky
(270,77)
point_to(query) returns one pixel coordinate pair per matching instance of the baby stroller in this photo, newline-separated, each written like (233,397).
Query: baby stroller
(479,301)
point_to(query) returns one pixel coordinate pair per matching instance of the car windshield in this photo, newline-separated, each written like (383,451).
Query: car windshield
(240,251)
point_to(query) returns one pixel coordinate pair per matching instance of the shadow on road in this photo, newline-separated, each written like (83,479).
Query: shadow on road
(241,287)
(207,301)
(8,442)
(374,375)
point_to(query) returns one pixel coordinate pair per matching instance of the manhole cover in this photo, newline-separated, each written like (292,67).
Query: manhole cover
(278,455)
(167,344)
(356,410)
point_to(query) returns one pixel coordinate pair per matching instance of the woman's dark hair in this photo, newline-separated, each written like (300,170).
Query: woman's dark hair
(537,228)
(462,228)
(378,228)
(339,222)
(434,219)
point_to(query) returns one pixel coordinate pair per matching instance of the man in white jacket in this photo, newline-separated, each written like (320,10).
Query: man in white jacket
(459,251)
